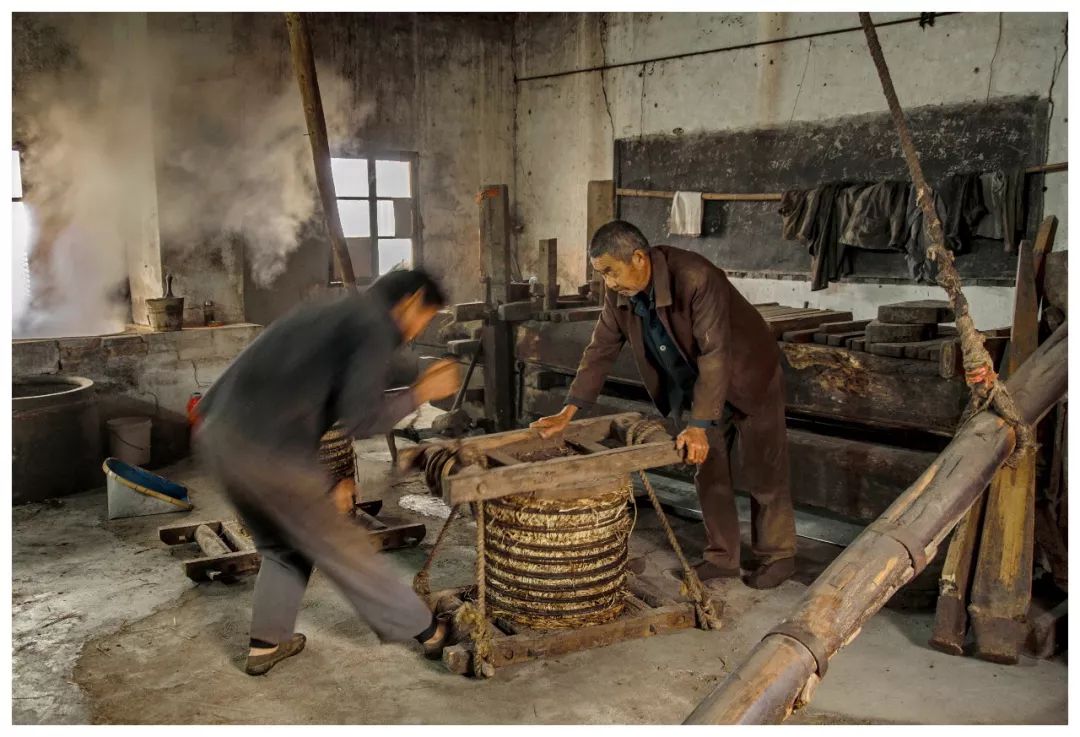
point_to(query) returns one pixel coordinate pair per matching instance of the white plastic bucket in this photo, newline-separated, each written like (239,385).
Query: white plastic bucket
(129,439)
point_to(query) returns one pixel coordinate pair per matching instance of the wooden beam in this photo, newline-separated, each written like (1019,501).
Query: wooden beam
(1001,591)
(549,266)
(765,686)
(520,648)
(950,617)
(304,63)
(468,311)
(600,210)
(559,474)
(494,202)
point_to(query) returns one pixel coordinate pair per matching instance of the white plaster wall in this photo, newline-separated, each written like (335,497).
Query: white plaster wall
(564,133)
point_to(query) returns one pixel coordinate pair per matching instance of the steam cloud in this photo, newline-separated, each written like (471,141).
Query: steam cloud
(225,137)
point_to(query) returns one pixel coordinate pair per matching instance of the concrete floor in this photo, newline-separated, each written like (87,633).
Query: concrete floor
(106,629)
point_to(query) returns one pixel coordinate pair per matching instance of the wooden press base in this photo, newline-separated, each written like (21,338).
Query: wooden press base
(648,612)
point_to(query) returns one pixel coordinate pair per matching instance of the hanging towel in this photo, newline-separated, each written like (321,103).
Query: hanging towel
(685,214)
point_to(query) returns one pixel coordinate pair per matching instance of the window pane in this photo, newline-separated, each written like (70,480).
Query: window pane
(355,218)
(386,218)
(350,177)
(392,179)
(394,252)
(16,176)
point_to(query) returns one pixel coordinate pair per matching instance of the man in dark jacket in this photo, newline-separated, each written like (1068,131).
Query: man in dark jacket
(260,431)
(700,346)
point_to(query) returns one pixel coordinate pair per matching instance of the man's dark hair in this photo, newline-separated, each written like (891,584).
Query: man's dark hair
(618,239)
(400,283)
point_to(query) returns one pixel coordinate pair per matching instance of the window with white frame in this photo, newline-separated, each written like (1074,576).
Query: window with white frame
(376,198)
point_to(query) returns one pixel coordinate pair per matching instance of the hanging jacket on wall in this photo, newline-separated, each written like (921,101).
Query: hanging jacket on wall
(874,216)
(809,216)
(1003,195)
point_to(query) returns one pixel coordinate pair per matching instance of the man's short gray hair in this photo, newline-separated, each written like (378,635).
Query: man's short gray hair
(618,239)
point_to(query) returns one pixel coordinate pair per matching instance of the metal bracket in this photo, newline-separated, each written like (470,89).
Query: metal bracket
(807,639)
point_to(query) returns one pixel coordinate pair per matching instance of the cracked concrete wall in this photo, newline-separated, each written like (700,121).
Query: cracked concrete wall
(566,125)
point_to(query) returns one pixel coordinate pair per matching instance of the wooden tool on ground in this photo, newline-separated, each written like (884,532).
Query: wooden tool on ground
(228,552)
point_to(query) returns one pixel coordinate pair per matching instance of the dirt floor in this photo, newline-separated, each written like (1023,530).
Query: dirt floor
(106,629)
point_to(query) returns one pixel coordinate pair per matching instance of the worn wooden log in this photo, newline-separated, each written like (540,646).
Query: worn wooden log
(888,554)
(304,63)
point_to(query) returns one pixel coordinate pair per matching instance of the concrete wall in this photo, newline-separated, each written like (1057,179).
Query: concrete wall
(141,373)
(566,125)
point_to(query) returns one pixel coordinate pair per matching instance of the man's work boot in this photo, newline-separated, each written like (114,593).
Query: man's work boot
(258,665)
(771,575)
(707,571)
(435,637)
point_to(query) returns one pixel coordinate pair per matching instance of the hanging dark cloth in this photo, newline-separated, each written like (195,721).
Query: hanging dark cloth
(809,216)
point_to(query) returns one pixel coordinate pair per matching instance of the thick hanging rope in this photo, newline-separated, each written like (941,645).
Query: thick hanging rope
(473,618)
(707,617)
(978,366)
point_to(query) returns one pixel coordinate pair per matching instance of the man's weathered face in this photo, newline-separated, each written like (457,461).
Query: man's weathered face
(626,278)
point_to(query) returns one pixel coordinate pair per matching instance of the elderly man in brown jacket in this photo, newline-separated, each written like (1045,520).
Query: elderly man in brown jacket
(700,346)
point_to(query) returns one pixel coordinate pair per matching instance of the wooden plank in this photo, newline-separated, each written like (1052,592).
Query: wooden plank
(600,210)
(950,618)
(495,244)
(575,314)
(782,325)
(926,311)
(885,332)
(185,533)
(462,347)
(521,648)
(468,311)
(1044,243)
(590,428)
(841,339)
(843,326)
(549,266)
(858,344)
(517,311)
(230,565)
(1001,591)
(587,446)
(799,336)
(885,392)
(557,474)
(501,459)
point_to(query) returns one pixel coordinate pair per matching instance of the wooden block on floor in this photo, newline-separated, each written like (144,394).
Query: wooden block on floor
(841,339)
(925,311)
(857,344)
(888,332)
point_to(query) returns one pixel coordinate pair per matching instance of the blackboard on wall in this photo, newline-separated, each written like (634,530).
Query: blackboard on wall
(744,238)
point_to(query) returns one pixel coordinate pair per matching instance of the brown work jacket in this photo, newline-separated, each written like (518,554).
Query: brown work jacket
(713,325)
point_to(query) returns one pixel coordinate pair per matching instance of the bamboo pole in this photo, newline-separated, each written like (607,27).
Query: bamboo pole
(304,63)
(784,668)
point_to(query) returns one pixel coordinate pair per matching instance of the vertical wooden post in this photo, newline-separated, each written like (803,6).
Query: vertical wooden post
(600,210)
(950,619)
(498,343)
(549,269)
(1001,591)
(495,240)
(304,64)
